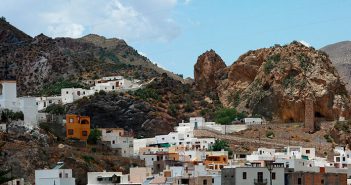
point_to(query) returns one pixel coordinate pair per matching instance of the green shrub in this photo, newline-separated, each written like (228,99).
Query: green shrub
(7,115)
(342,126)
(172,109)
(270,134)
(57,109)
(88,159)
(304,62)
(268,66)
(275,58)
(226,116)
(55,88)
(94,136)
(221,145)
(189,106)
(289,81)
(328,138)
(147,93)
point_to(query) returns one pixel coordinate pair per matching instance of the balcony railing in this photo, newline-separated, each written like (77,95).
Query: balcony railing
(260,181)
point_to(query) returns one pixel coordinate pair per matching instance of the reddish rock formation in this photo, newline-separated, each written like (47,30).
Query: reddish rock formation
(206,67)
(273,82)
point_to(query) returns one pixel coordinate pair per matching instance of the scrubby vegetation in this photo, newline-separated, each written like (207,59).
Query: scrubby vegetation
(55,88)
(226,116)
(94,136)
(270,134)
(221,145)
(147,93)
(8,115)
(343,126)
(57,109)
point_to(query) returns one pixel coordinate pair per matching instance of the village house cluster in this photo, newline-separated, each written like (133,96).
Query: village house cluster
(179,158)
(30,106)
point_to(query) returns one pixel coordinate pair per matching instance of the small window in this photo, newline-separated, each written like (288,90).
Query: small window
(66,92)
(308,151)
(113,142)
(299,181)
(50,101)
(60,175)
(70,132)
(205,182)
(244,175)
(343,159)
(66,175)
(84,133)
(322,181)
(71,120)
(212,180)
(273,175)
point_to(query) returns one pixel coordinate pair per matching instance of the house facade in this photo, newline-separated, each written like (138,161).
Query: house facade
(54,176)
(77,127)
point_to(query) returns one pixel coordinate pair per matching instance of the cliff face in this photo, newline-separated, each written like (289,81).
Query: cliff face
(206,70)
(274,82)
(340,55)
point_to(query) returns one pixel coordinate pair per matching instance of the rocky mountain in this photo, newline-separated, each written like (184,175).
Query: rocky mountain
(340,55)
(40,61)
(274,83)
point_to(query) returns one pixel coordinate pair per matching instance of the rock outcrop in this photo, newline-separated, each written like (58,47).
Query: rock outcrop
(340,55)
(274,82)
(206,70)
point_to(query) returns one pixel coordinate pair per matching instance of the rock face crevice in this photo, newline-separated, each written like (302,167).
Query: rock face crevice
(274,82)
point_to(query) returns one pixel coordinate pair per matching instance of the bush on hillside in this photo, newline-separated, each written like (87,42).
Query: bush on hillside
(226,116)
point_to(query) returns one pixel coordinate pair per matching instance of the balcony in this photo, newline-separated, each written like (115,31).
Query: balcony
(260,181)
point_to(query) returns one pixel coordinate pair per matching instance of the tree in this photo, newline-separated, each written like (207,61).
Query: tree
(57,109)
(94,136)
(3,176)
(226,116)
(221,145)
(2,18)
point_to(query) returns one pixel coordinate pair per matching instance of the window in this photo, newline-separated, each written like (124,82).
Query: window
(18,182)
(212,180)
(60,175)
(44,103)
(343,159)
(307,151)
(66,175)
(299,181)
(66,92)
(205,182)
(337,159)
(71,120)
(84,133)
(113,142)
(260,176)
(322,181)
(70,132)
(273,175)
(244,175)
(78,93)
(50,101)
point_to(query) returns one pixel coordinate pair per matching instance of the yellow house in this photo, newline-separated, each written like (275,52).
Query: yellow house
(77,127)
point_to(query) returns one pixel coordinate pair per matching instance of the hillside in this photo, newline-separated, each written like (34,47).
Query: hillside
(340,55)
(39,61)
(274,83)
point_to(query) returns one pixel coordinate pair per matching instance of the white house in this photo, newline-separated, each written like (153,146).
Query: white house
(9,100)
(262,154)
(342,159)
(15,182)
(118,139)
(107,178)
(54,176)
(44,102)
(200,123)
(3,127)
(70,95)
(255,174)
(253,121)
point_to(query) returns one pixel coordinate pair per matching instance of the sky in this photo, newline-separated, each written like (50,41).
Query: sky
(173,33)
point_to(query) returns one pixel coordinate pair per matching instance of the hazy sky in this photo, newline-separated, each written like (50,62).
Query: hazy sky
(173,33)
